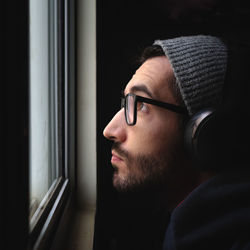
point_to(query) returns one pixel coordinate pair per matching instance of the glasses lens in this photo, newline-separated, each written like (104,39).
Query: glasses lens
(130,101)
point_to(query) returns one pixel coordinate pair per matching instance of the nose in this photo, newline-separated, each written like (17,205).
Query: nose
(116,129)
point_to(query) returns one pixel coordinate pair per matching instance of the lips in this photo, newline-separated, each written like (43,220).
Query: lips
(116,158)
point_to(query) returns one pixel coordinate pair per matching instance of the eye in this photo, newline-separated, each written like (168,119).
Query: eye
(141,106)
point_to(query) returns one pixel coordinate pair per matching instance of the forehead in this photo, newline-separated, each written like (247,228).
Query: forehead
(155,75)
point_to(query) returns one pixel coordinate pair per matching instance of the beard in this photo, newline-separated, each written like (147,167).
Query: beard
(145,172)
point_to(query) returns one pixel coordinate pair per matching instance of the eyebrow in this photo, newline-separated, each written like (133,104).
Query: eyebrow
(141,88)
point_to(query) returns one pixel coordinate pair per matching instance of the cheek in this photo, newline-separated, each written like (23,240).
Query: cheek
(154,137)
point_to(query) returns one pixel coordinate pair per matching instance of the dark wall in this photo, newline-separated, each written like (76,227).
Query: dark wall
(14,116)
(123,28)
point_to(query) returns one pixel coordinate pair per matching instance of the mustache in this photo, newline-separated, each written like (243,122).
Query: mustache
(122,152)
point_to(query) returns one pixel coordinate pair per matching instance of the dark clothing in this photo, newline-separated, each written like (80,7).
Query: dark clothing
(216,215)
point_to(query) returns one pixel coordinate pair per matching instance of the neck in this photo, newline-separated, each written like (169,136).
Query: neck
(185,185)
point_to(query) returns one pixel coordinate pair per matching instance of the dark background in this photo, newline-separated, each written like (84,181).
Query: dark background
(124,28)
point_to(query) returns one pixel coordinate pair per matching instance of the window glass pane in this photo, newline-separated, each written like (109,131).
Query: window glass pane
(43,102)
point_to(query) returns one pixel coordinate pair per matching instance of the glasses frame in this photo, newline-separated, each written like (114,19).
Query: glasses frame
(137,98)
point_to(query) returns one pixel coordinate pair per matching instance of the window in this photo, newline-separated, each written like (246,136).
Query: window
(51,89)
(44,102)
(37,125)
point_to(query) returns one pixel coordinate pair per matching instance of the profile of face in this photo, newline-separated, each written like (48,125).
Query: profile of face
(149,154)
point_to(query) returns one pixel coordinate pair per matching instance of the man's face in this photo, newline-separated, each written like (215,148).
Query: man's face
(149,153)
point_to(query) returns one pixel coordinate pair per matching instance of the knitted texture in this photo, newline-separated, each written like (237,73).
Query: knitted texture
(199,65)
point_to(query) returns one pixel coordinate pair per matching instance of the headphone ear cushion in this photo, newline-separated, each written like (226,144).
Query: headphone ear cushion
(197,133)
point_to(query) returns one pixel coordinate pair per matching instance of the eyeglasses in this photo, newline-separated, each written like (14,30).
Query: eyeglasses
(132,103)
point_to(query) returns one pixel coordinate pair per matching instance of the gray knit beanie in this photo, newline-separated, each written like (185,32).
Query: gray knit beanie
(199,65)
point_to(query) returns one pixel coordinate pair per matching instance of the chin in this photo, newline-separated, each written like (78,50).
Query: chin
(120,183)
(127,184)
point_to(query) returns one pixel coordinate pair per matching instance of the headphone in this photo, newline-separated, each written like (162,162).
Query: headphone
(198,133)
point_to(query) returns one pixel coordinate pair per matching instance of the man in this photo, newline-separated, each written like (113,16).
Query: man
(151,152)
(178,78)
